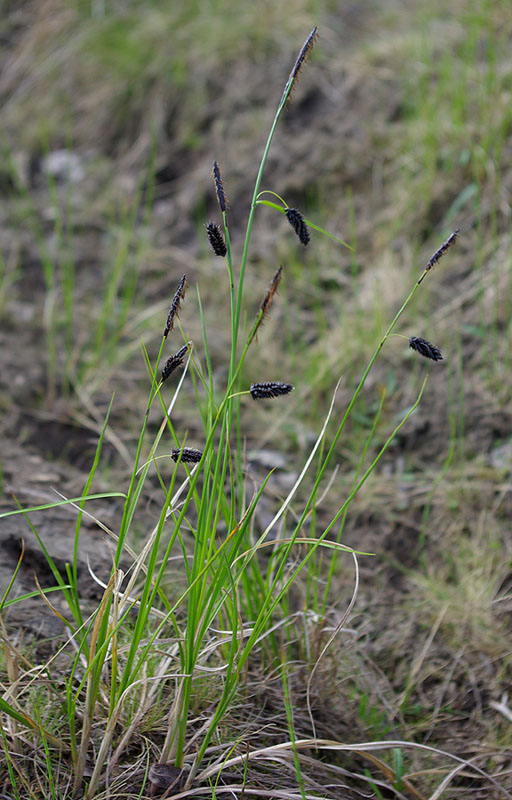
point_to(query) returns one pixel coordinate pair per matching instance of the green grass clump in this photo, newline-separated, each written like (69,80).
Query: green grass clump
(231,599)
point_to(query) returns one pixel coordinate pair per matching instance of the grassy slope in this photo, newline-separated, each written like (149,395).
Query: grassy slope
(399,131)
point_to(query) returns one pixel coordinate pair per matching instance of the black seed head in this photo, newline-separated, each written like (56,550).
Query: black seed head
(176,304)
(259,391)
(174,361)
(187,454)
(216,239)
(269,294)
(219,187)
(304,53)
(425,349)
(442,250)
(296,220)
(301,58)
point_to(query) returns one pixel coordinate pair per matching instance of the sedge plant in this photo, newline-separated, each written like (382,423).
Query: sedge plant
(152,642)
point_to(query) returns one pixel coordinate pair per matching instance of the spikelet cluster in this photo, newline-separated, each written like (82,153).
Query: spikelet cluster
(219,187)
(452,238)
(266,304)
(216,239)
(176,305)
(425,349)
(187,454)
(301,58)
(260,391)
(442,250)
(269,294)
(296,220)
(174,361)
(304,53)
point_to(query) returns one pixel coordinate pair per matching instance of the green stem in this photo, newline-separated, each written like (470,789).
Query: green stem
(254,203)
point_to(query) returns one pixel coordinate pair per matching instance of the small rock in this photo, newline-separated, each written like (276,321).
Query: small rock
(163,777)
(64,165)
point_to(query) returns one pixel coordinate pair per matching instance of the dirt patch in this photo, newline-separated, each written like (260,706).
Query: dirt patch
(35,481)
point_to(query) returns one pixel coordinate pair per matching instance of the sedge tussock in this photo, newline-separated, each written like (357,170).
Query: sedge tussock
(175,308)
(425,348)
(197,662)
(259,391)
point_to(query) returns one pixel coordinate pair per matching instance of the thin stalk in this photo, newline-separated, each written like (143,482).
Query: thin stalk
(252,210)
(272,600)
(362,457)
(286,94)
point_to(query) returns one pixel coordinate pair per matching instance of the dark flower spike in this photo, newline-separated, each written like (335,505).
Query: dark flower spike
(449,242)
(176,304)
(175,361)
(219,187)
(187,454)
(269,294)
(425,349)
(267,302)
(216,239)
(260,391)
(296,220)
(442,250)
(301,58)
